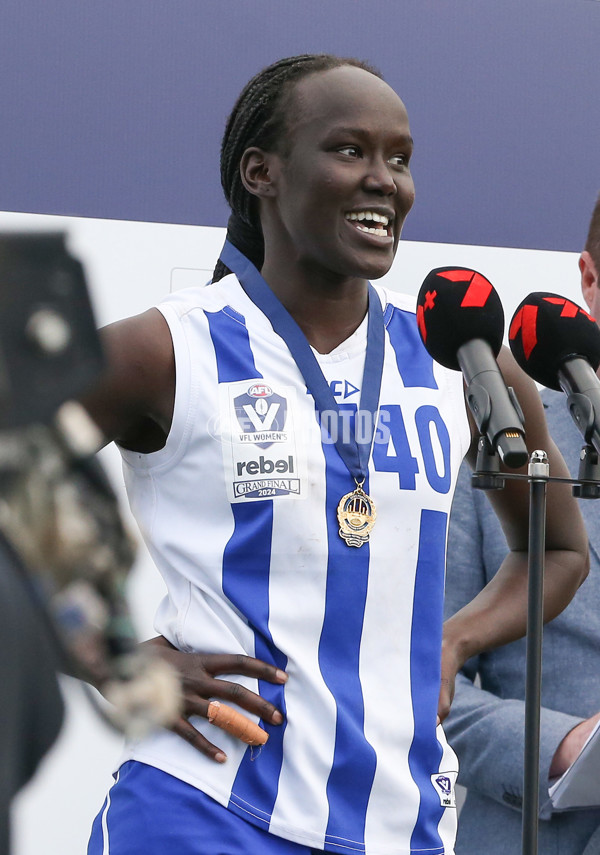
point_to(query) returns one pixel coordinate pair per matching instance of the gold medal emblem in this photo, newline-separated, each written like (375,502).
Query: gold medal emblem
(356,515)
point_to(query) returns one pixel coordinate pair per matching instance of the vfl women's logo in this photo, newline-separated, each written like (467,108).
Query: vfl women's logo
(263,457)
(261,414)
(443,784)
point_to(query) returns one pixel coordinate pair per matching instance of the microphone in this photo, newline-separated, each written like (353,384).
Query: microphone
(461,321)
(558,344)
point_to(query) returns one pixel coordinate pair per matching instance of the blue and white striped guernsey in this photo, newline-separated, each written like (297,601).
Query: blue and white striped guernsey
(239,513)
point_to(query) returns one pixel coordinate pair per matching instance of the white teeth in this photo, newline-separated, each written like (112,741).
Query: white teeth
(368,215)
(381,232)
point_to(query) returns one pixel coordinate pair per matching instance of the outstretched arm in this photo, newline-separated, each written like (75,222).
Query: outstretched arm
(486,728)
(498,613)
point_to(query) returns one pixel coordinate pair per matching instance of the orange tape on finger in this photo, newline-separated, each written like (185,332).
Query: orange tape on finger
(235,723)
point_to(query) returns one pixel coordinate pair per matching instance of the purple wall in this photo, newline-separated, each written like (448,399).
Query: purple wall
(115,109)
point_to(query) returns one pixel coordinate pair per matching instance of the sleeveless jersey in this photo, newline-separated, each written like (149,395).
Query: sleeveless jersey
(239,513)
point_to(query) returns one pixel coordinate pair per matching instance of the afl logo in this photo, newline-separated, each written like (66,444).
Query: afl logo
(260,390)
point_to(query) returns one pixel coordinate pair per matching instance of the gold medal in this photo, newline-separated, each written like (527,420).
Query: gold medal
(356,515)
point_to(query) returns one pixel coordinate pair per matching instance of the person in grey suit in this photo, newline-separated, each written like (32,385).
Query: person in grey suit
(486,722)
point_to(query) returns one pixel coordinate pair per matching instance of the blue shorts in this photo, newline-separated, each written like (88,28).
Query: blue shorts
(148,812)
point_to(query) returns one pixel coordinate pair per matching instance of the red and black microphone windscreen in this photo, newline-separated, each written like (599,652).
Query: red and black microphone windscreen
(456,305)
(548,329)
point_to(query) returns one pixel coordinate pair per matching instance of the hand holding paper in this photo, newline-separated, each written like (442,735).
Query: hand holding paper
(576,761)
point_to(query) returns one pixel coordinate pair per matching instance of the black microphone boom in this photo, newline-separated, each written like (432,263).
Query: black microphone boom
(461,322)
(580,382)
(493,405)
(558,344)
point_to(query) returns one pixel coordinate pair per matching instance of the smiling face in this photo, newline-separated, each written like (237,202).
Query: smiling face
(340,182)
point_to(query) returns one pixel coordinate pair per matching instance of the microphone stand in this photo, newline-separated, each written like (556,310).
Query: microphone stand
(538,472)
(487,476)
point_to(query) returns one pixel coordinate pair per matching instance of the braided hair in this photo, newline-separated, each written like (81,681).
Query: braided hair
(259,118)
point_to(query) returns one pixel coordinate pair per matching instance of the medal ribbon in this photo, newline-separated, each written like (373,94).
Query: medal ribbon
(355,454)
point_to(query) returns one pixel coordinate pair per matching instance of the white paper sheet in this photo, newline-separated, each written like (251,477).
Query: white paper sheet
(579,786)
